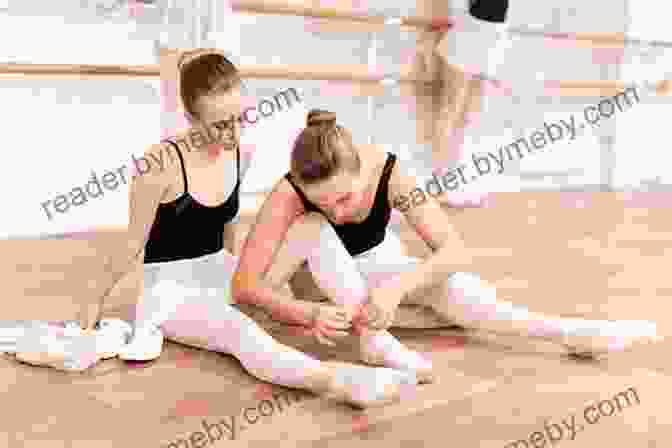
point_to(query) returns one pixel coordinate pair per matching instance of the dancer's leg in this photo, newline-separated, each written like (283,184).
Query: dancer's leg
(470,301)
(336,274)
(195,311)
(467,300)
(214,325)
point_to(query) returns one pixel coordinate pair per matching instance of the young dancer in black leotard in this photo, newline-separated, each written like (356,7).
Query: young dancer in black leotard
(182,218)
(332,210)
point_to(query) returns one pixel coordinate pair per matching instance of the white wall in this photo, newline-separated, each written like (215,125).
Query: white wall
(53,123)
(57,131)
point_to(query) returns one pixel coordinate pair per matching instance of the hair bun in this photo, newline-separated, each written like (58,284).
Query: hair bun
(317,117)
(196,53)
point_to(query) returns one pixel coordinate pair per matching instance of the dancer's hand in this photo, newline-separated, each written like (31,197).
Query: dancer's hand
(331,322)
(378,313)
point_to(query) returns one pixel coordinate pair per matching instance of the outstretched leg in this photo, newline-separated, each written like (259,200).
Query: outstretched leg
(471,301)
(218,326)
(467,300)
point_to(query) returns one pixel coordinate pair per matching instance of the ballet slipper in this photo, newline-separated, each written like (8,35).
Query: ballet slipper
(365,387)
(111,336)
(64,349)
(146,344)
(70,348)
(57,361)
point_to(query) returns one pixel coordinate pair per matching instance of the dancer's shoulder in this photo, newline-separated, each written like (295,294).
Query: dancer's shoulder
(377,150)
(285,196)
(158,164)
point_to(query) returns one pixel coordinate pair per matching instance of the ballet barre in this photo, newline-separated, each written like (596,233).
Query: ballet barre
(336,72)
(353,73)
(405,23)
(439,23)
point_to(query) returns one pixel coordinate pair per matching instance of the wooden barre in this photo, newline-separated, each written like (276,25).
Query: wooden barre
(423,23)
(353,73)
(276,8)
(80,69)
(335,72)
(600,88)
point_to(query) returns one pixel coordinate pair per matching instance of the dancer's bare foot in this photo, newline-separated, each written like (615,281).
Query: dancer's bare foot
(383,349)
(365,387)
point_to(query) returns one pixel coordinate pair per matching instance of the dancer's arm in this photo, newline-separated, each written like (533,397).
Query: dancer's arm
(145,192)
(273,221)
(433,225)
(232,228)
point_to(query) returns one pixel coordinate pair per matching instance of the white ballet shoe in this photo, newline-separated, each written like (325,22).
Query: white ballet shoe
(146,344)
(111,335)
(66,348)
(593,337)
(9,335)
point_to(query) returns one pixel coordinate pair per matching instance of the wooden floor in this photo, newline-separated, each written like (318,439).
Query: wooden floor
(597,255)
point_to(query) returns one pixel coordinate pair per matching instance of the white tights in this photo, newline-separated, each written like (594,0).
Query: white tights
(191,301)
(463,298)
(188,300)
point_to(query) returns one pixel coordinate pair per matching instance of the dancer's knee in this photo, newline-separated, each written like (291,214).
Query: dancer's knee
(327,249)
(259,353)
(302,238)
(470,287)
